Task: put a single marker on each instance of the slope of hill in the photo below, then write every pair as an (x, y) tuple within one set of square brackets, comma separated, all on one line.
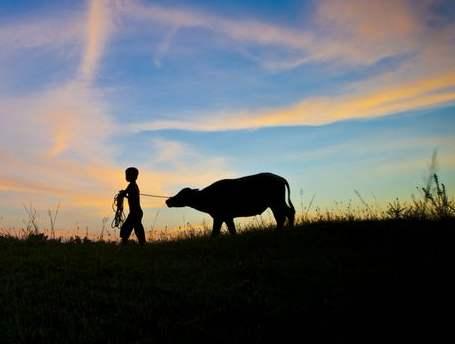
[(373, 279)]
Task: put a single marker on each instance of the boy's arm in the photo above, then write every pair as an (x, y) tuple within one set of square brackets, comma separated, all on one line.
[(124, 193)]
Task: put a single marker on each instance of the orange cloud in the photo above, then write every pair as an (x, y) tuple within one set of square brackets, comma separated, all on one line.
[(375, 20), (415, 95), (91, 183), (365, 31), (63, 125), (17, 185)]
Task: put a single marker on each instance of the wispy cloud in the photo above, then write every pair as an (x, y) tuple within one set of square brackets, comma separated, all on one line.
[(98, 29), (252, 31), (322, 110), (40, 33), (247, 31), (180, 156), (346, 32)]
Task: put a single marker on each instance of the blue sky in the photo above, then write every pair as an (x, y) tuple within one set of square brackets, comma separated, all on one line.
[(334, 95)]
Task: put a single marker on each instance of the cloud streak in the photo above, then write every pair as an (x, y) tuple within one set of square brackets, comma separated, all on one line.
[(40, 33), (98, 29), (322, 110), (247, 31), (345, 32)]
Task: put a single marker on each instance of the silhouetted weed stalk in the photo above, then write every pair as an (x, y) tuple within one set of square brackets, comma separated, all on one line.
[(52, 219), (435, 203), (440, 205), (31, 223)]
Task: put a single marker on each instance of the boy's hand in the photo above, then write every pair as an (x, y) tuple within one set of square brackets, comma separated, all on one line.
[(122, 193)]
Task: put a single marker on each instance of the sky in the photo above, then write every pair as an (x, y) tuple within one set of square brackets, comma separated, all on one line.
[(334, 95)]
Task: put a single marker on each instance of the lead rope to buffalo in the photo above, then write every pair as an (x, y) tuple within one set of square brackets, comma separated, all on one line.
[(155, 196), (117, 207)]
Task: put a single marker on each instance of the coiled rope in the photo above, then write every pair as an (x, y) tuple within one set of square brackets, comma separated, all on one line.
[(117, 207)]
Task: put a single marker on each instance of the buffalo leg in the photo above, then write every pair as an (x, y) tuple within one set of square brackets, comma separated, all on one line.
[(280, 217), (291, 217), (216, 227), (231, 226)]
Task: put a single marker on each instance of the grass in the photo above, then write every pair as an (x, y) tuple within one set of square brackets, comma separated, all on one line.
[(325, 279), (368, 274)]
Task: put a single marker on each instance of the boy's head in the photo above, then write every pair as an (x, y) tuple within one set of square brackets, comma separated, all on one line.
[(131, 174)]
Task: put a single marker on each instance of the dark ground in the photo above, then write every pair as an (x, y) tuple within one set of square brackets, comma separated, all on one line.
[(370, 281)]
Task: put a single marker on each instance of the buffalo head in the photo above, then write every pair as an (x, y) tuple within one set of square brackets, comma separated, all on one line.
[(182, 199)]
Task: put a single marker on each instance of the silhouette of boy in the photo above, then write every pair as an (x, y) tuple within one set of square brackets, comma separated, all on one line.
[(134, 219)]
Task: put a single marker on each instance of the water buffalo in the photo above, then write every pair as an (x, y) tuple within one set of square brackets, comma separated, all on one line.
[(247, 196)]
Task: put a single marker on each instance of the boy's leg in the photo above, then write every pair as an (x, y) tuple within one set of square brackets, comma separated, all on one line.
[(139, 230), (126, 229)]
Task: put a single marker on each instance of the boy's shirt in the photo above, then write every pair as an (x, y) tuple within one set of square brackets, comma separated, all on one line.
[(133, 192)]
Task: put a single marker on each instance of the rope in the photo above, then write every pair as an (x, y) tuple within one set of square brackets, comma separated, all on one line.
[(117, 207), (156, 196)]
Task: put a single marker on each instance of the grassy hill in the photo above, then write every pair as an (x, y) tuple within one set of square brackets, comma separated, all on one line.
[(369, 279)]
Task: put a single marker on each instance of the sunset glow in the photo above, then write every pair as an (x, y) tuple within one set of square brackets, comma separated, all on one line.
[(334, 95)]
